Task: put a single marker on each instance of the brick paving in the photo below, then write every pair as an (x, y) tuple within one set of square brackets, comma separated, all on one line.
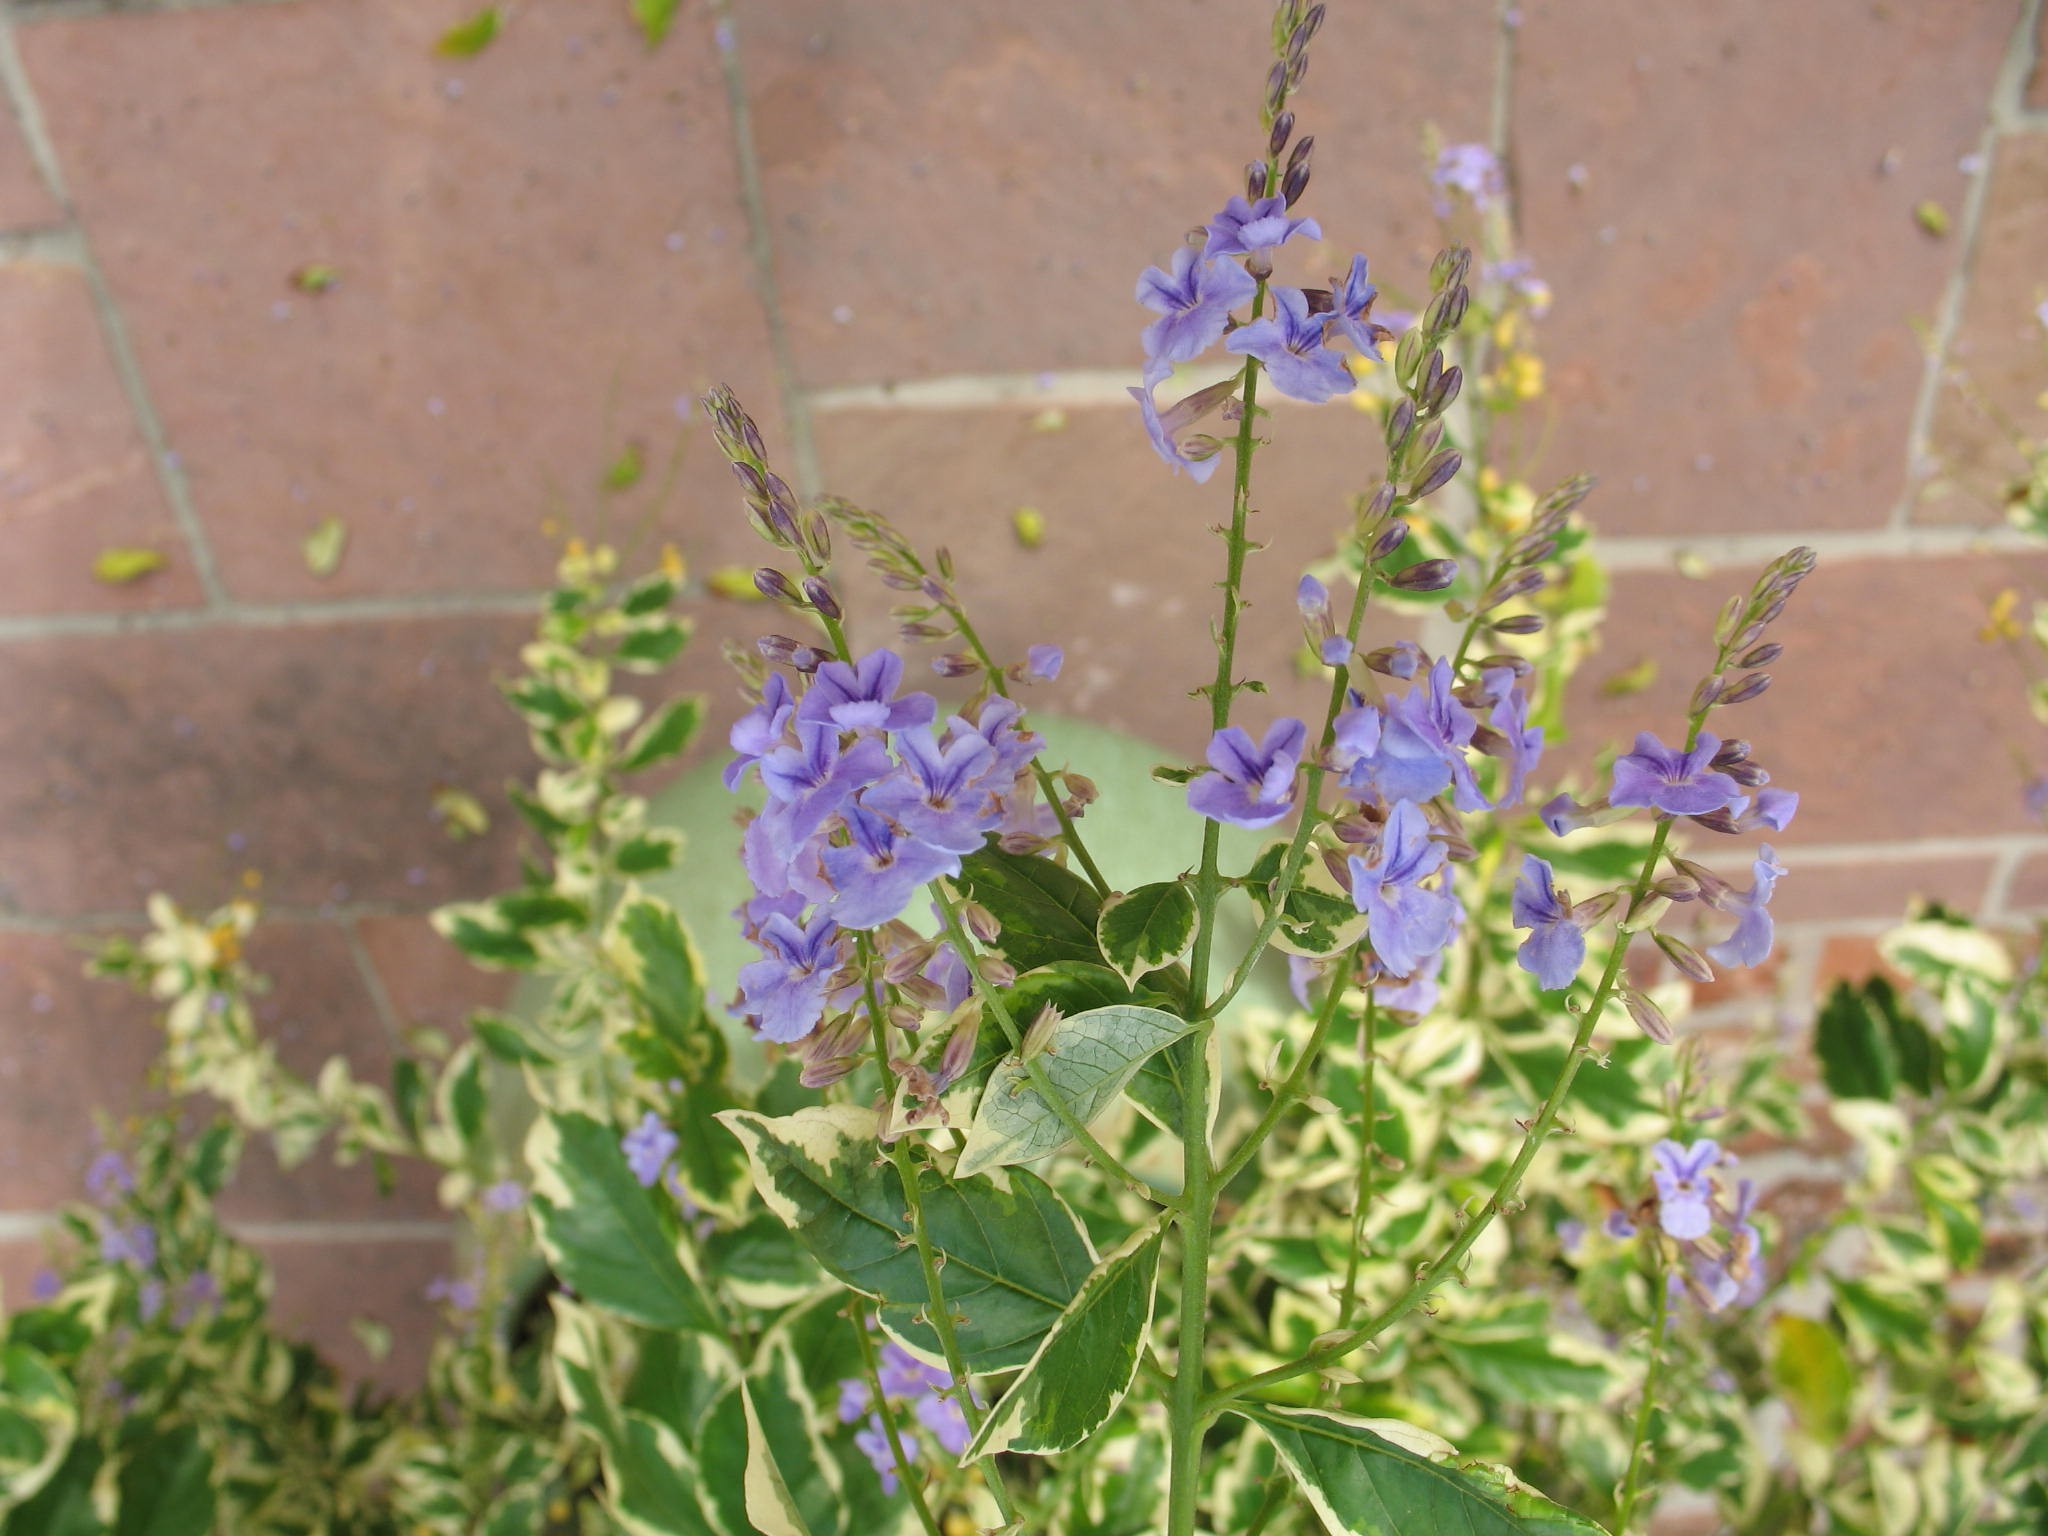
[(906, 236)]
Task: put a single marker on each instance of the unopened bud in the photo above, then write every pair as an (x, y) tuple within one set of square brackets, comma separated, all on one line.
[(1513, 587), (1382, 503), (1436, 474), (1763, 655), (808, 658), (818, 591), (995, 970), (1648, 1016), (1449, 267), (818, 538), (1426, 576), (1276, 87), (1039, 1035), (980, 922), (1707, 694), (909, 961), (1440, 395), (907, 1017), (1722, 821), (1295, 182), (1080, 788), (771, 583), (959, 1051), (1677, 888), (1255, 180), (779, 649), (1731, 752), (955, 664), (1407, 354), (1312, 23), (1688, 960), (1713, 889), (1283, 130), (1391, 537), (1747, 688), (1748, 775), (1302, 151), (1519, 624), (1400, 422)]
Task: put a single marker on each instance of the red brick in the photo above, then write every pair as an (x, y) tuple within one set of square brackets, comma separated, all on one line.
[(325, 1284), (20, 1261), (509, 310), (1851, 957), (2029, 892), (428, 980), (75, 475), (1995, 384), (25, 202), (2037, 82), (976, 185), (1880, 889), (1732, 345), (1851, 721), (1126, 577), (310, 753)]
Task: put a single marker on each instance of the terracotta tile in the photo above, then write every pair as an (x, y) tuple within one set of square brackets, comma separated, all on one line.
[(428, 980), (1996, 381), (1737, 281), (25, 202), (323, 1285), (75, 475), (976, 186), (541, 250), (1125, 579), (1889, 731), (310, 754)]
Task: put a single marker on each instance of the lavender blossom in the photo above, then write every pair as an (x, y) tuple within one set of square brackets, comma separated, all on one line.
[(1471, 170), (861, 696), (1193, 303), (1407, 923), (1250, 786), (1351, 310), (1676, 781), (1556, 946), (784, 993), (1684, 1196), (1422, 747), (1290, 342), (1166, 432), (942, 795), (1750, 944), (1522, 743), (648, 1147), (505, 1195), (131, 1243), (874, 876), (760, 730), (108, 1176), (1255, 230), (1043, 662)]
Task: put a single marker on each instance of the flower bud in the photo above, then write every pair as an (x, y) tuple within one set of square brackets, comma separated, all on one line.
[(1688, 960), (1391, 537), (1276, 87), (1714, 891), (1080, 789), (1400, 422), (1748, 775), (980, 922), (1302, 151), (1677, 888), (1449, 267), (779, 649), (1407, 354), (1297, 64), (1519, 624), (1732, 751), (771, 583), (1040, 1032), (959, 1051), (1648, 1016), (818, 592), (1426, 576), (1436, 474), (908, 962), (955, 664), (1747, 688), (818, 538), (1763, 655), (808, 659), (1295, 182), (1722, 821), (1512, 587), (994, 970), (1707, 694), (1382, 503), (904, 1016), (1283, 130), (1439, 397), (1255, 180), (1519, 665), (1312, 23)]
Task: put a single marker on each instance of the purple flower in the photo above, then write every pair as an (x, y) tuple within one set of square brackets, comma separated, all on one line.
[(862, 696), (947, 1424), (1735, 1278), (1198, 459), (1774, 808), (1290, 343), (1404, 659), (45, 1285), (1255, 229), (108, 1175), (1564, 815), (904, 1376), (785, 991), (1750, 944), (1351, 299), (1618, 1225), (760, 730), (1422, 747), (873, 1443), (1193, 303), (1556, 947), (1043, 662), (1418, 993), (134, 1243), (1684, 1195), (648, 1147), (461, 1295), (855, 1400), (1523, 743), (815, 776), (1251, 786), (1354, 739), (1571, 1236), (1675, 781), (506, 1195), (941, 796), (875, 875), (1470, 169), (1312, 599), (201, 1293), (1000, 723), (1408, 924)]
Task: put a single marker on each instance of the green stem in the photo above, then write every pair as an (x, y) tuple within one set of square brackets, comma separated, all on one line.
[(1368, 1154), (939, 1309), (1638, 1456), (1198, 1187), (992, 999), (1510, 1182), (1295, 1085), (1276, 1495), (911, 1482)]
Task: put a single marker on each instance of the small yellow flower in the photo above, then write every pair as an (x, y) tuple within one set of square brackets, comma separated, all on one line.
[(2000, 620), (1521, 375), (673, 566)]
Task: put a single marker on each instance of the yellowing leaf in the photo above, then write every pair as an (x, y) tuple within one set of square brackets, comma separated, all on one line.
[(461, 814), (467, 39), (324, 546), (118, 567)]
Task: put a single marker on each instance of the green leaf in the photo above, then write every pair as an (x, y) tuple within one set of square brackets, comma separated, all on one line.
[(665, 734), (624, 472), (1048, 913), (651, 644), (38, 1418), (476, 930), (602, 1232), (1380, 1477), (64, 1505), (118, 567), (167, 1487), (1853, 1039), (1147, 928), (1813, 1372), (1086, 1063), (659, 964), (1085, 1365), (650, 594), (325, 545), (655, 18), (1015, 1255), (647, 853), (506, 1040), (1516, 1354), (793, 1485), (1316, 922), (467, 39)]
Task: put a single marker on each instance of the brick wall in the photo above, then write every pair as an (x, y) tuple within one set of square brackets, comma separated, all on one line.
[(905, 232)]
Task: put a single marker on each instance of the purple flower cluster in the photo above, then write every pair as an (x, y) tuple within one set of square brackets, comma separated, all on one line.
[(867, 801), (1195, 297), (648, 1147), (906, 1382), (1716, 1238)]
